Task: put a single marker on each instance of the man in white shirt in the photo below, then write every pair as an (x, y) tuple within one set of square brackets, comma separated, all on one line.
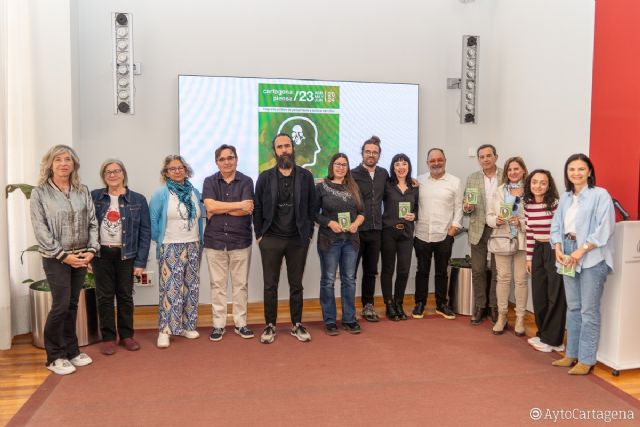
[(440, 219)]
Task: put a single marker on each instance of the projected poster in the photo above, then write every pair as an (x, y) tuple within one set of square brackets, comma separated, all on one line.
[(315, 134), (322, 117)]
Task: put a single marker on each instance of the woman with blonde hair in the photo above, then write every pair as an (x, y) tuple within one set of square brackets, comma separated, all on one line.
[(177, 227), (65, 226), (505, 214)]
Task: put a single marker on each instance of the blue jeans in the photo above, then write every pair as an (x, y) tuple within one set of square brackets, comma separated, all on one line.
[(583, 294), (343, 254)]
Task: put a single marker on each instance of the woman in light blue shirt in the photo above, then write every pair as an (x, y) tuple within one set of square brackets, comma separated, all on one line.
[(582, 235), (177, 225)]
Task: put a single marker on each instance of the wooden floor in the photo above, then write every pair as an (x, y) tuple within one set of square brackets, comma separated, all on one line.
[(22, 368)]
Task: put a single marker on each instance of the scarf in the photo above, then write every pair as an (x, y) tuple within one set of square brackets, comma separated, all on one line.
[(184, 192)]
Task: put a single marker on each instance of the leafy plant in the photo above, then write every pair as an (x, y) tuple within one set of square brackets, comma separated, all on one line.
[(25, 188)]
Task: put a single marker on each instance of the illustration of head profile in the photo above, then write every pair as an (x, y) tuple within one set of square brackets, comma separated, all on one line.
[(304, 134), (297, 134)]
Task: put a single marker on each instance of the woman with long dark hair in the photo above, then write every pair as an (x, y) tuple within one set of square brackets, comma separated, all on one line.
[(582, 235), (547, 290), (505, 215), (125, 235), (400, 211), (64, 223), (340, 213), (177, 227)]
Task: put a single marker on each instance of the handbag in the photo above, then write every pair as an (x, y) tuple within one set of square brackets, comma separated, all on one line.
[(502, 244)]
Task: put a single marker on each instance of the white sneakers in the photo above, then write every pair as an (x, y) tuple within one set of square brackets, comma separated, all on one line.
[(66, 367), (192, 335), (545, 348), (81, 360), (61, 367), (163, 340)]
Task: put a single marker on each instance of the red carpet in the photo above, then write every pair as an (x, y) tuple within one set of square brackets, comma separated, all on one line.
[(419, 372)]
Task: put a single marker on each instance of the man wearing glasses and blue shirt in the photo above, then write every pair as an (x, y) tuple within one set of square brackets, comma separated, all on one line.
[(228, 199)]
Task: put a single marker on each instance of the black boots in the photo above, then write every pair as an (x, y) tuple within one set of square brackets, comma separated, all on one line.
[(392, 314), (400, 312)]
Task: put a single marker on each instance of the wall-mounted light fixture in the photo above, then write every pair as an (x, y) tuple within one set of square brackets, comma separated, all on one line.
[(468, 83), (123, 67)]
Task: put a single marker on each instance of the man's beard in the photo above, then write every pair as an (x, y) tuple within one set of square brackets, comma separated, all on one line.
[(286, 161)]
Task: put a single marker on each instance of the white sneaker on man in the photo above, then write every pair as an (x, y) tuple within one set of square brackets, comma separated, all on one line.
[(192, 335), (81, 360), (163, 340), (534, 340), (61, 367)]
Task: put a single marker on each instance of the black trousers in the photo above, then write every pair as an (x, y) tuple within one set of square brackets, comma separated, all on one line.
[(397, 249), (547, 291), (441, 253), (114, 278), (273, 250), (60, 339), (369, 253), (484, 282)]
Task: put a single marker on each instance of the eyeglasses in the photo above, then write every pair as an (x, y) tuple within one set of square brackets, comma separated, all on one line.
[(371, 153), (176, 169), (340, 165), (226, 159), (516, 203), (114, 172)]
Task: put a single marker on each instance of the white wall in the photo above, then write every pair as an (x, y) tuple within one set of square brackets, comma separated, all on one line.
[(534, 88)]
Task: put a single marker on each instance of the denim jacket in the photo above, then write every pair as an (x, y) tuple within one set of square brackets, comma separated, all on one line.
[(595, 223), (136, 225)]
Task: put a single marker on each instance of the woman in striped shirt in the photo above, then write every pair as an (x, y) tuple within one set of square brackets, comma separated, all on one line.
[(547, 291)]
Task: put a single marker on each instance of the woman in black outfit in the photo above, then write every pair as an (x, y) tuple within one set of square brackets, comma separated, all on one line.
[(400, 211)]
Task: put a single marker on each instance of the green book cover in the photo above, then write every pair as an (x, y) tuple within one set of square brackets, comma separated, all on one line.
[(404, 208), (506, 210), (471, 196), (344, 219), (567, 270)]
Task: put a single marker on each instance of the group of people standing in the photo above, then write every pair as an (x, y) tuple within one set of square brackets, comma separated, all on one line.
[(363, 214)]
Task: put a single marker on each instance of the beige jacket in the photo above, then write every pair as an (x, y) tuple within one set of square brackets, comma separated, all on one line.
[(492, 216)]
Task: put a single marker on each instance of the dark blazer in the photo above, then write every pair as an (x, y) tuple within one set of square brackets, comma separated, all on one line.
[(136, 224), (266, 200)]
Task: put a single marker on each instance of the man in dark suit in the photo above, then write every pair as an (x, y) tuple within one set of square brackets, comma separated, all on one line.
[(283, 223)]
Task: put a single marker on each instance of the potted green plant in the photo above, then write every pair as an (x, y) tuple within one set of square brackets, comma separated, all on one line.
[(87, 326)]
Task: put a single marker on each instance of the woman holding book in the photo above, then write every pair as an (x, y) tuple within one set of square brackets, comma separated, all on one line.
[(400, 211), (547, 290), (505, 214), (340, 213), (582, 235)]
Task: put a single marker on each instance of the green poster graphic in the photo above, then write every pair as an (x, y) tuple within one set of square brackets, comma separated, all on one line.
[(307, 112), (298, 96), (315, 138)]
